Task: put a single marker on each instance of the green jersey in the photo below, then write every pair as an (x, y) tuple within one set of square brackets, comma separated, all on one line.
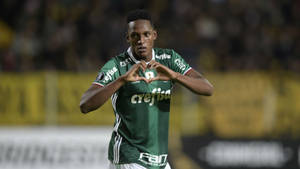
[(140, 132)]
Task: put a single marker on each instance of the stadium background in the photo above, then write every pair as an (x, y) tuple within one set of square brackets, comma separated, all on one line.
[(50, 52)]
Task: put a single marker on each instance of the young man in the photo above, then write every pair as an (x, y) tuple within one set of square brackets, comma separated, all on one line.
[(139, 82)]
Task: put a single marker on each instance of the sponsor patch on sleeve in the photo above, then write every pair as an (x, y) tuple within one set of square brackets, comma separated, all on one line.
[(100, 76)]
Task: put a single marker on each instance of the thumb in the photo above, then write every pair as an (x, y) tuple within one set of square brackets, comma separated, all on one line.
[(153, 79), (143, 78)]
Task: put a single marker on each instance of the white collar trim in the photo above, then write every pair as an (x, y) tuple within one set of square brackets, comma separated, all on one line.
[(129, 51)]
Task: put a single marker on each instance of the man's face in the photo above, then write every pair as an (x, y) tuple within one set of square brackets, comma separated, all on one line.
[(141, 36)]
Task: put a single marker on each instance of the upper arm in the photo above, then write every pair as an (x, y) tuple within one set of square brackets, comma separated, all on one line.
[(193, 73), (93, 87), (178, 64), (108, 73)]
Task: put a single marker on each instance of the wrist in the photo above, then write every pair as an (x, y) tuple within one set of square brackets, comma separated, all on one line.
[(176, 76), (122, 80)]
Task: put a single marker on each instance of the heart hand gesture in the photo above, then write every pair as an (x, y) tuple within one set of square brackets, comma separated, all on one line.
[(163, 72), (133, 74)]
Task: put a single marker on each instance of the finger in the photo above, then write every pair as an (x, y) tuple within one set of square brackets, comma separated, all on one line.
[(143, 64), (153, 66), (143, 78), (153, 79), (161, 68), (151, 63), (134, 68), (164, 78), (138, 67)]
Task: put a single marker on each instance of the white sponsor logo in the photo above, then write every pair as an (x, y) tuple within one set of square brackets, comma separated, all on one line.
[(125, 62), (100, 76), (180, 64), (109, 74), (156, 160), (163, 56), (157, 94)]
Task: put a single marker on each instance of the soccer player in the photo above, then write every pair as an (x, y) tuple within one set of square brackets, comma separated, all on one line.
[(139, 82)]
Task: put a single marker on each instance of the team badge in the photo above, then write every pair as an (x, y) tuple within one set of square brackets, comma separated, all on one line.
[(149, 75), (100, 76)]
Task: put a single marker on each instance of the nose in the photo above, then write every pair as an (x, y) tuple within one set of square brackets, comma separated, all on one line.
[(141, 40)]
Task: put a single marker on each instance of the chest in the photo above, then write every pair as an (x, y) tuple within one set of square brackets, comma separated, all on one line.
[(141, 87)]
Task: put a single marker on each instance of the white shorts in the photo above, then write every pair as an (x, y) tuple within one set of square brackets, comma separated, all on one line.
[(131, 166)]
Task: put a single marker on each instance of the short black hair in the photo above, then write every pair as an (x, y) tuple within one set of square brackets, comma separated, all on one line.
[(139, 14)]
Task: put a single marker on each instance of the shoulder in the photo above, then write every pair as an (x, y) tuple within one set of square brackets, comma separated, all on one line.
[(119, 59), (160, 51)]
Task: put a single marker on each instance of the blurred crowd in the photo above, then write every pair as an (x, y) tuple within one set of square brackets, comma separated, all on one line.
[(214, 35)]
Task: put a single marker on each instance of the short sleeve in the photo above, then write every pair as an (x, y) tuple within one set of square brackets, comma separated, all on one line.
[(108, 73), (178, 64)]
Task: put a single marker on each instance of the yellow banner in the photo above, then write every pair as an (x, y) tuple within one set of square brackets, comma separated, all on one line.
[(244, 104)]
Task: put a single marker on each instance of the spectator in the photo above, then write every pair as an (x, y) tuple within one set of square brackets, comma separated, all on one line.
[(78, 35)]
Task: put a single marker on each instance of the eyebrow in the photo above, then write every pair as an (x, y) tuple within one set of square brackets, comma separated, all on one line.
[(141, 32)]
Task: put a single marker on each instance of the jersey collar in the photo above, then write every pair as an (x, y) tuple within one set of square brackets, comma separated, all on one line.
[(129, 51)]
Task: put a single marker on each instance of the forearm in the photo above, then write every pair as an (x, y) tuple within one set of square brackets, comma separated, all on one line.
[(95, 98), (198, 85)]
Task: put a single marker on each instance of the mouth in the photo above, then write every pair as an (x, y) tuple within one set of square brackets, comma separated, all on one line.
[(141, 49)]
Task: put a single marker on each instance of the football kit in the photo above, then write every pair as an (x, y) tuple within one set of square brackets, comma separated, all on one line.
[(140, 133)]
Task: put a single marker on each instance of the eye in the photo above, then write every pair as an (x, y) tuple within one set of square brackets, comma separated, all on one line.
[(134, 35), (147, 34)]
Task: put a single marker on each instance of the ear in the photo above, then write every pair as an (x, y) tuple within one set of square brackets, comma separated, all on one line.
[(154, 34), (127, 37)]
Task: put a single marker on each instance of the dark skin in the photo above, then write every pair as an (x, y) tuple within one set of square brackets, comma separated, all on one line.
[(141, 37)]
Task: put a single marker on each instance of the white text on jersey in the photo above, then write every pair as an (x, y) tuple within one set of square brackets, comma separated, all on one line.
[(109, 74), (125, 62), (156, 160), (157, 94), (163, 56), (180, 64)]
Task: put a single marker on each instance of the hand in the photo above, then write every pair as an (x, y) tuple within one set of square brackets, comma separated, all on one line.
[(133, 74), (163, 72)]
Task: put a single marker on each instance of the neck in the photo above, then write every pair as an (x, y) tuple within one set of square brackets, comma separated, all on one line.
[(147, 58)]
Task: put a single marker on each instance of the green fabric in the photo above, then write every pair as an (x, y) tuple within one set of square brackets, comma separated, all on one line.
[(142, 111)]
